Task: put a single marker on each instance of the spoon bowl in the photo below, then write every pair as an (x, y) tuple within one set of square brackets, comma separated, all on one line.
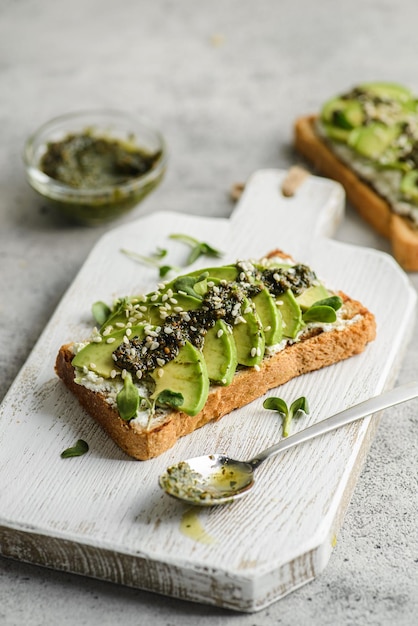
[(217, 479), (208, 480)]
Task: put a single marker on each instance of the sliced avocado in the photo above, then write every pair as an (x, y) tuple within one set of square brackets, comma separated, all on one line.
[(223, 272), (97, 357), (409, 186), (249, 337), (220, 353), (186, 374), (311, 295), (338, 134), (371, 141), (343, 113), (388, 90), (291, 314), (269, 314)]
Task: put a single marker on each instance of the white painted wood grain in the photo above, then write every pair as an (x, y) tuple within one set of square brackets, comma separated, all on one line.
[(103, 514)]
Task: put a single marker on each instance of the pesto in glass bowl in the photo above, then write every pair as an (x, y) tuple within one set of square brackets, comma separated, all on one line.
[(94, 166)]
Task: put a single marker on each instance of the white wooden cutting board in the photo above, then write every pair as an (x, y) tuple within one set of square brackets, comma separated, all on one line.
[(103, 514)]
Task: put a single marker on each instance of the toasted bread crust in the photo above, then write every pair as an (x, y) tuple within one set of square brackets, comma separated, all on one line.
[(401, 232), (312, 353)]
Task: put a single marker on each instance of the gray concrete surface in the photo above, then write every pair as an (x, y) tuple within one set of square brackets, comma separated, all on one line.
[(224, 80)]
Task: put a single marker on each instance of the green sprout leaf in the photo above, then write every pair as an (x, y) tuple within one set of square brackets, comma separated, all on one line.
[(288, 413), (187, 284), (160, 253), (152, 260), (198, 248), (315, 313), (127, 399), (276, 404), (80, 448), (170, 398), (101, 312), (335, 302)]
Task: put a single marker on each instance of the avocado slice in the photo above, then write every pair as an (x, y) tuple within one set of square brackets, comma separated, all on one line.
[(186, 374), (223, 272), (97, 356), (371, 141), (311, 295), (220, 353), (269, 314), (291, 314), (249, 337), (343, 113), (388, 90), (409, 186)]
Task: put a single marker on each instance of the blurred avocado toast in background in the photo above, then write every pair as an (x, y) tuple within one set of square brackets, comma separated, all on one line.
[(367, 139)]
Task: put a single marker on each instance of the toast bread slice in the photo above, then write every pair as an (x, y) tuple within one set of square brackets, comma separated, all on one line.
[(372, 207), (316, 350)]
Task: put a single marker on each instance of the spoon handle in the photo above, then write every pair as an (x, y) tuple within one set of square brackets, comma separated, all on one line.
[(356, 412)]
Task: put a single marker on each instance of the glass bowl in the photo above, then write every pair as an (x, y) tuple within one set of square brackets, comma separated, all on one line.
[(106, 197)]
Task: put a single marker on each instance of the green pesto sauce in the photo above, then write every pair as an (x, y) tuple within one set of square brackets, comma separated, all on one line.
[(85, 161)]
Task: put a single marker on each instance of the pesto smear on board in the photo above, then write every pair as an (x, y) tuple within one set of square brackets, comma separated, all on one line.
[(86, 161)]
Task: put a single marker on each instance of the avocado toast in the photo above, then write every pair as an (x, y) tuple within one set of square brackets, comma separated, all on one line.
[(162, 365), (367, 139)]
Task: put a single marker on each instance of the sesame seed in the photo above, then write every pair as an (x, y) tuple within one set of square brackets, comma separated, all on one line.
[(258, 351), (253, 352), (139, 374), (160, 373), (160, 362), (97, 339), (128, 332), (257, 368), (267, 328), (92, 366), (110, 340), (154, 297), (168, 330), (124, 373), (113, 373), (120, 324), (219, 333)]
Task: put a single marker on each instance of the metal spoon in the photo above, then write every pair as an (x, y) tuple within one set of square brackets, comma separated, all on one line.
[(217, 479)]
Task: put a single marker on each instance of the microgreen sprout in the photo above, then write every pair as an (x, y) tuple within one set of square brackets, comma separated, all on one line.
[(152, 260), (288, 413), (198, 248), (127, 399), (100, 312), (192, 285), (80, 448), (323, 310)]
